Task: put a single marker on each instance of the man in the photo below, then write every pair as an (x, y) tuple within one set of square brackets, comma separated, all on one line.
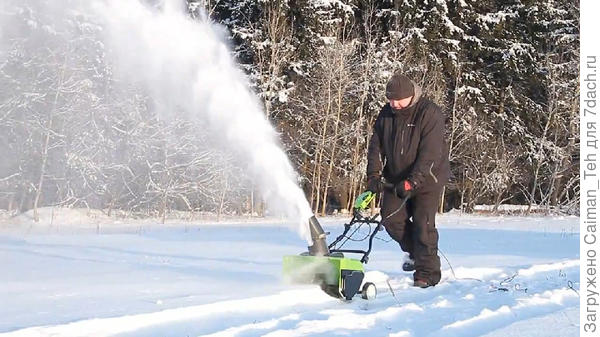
[(407, 148)]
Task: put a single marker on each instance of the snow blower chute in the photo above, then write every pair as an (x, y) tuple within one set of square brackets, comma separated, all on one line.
[(326, 265)]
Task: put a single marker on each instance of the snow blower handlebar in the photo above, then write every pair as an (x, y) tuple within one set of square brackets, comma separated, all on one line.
[(358, 218), (318, 235)]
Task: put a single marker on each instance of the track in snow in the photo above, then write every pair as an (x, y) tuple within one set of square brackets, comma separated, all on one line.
[(453, 308)]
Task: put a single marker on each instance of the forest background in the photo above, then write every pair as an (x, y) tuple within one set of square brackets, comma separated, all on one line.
[(506, 74)]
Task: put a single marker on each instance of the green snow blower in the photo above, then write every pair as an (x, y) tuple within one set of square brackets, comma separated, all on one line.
[(326, 265)]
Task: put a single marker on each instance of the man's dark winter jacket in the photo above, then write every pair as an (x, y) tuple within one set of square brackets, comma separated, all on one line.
[(409, 144)]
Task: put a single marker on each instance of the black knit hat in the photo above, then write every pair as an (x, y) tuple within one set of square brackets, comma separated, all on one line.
[(399, 87)]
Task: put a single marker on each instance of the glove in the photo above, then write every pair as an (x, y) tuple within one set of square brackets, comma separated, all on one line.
[(404, 189), (374, 184), (363, 200)]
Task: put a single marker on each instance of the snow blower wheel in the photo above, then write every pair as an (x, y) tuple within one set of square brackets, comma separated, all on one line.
[(368, 291)]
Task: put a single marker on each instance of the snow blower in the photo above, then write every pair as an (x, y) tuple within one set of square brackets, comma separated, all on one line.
[(326, 265)]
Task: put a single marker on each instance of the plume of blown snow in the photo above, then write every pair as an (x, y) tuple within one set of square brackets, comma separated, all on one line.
[(187, 68)]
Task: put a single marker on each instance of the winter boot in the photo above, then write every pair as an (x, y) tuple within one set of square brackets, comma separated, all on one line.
[(422, 283), (408, 265)]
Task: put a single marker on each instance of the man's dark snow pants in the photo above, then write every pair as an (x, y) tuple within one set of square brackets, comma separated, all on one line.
[(418, 236)]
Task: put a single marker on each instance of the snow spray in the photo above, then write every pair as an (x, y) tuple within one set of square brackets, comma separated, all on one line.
[(186, 67)]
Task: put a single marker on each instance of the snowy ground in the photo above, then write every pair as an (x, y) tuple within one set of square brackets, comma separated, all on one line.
[(138, 279)]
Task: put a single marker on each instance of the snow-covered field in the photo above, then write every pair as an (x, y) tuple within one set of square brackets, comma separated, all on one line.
[(512, 276)]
